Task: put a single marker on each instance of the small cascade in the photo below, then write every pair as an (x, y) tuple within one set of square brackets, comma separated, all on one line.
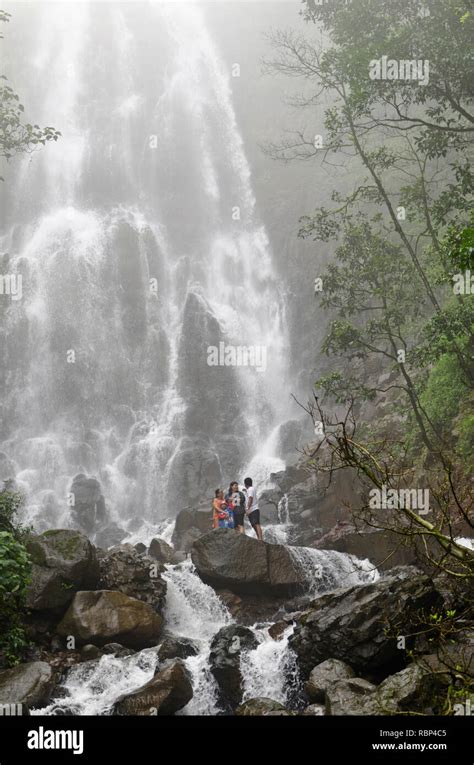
[(193, 610), (278, 533), (270, 670), (93, 687), (325, 570)]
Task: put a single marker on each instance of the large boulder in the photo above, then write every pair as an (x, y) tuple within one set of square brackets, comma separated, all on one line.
[(64, 561), (29, 684), (167, 692), (104, 616), (138, 576), (225, 559), (224, 659), (359, 625), (326, 675)]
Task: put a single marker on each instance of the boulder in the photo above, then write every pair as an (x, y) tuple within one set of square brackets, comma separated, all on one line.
[(28, 684), (103, 616), (90, 652), (224, 660), (324, 676), (176, 648), (276, 630), (124, 569), (358, 625), (225, 559), (354, 696), (167, 692), (64, 561), (161, 551), (410, 690), (261, 707)]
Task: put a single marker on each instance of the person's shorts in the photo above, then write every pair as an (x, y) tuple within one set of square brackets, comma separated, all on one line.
[(239, 518), (254, 517), (222, 523)]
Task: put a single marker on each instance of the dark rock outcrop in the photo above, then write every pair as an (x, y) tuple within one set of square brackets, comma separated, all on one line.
[(103, 616), (349, 624), (167, 692)]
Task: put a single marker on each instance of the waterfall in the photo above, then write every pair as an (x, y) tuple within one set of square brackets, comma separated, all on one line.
[(140, 246)]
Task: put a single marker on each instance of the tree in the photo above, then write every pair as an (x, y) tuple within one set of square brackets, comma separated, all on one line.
[(16, 135), (401, 229)]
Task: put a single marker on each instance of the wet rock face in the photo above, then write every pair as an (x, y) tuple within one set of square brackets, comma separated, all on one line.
[(64, 561), (104, 616), (138, 576), (88, 511), (349, 624), (166, 693), (226, 648)]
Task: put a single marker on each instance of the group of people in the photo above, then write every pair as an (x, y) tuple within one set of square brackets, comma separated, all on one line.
[(229, 510)]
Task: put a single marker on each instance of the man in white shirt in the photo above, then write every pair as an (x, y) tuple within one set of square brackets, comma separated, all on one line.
[(252, 509)]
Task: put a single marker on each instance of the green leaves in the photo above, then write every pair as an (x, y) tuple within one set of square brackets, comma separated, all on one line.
[(16, 136)]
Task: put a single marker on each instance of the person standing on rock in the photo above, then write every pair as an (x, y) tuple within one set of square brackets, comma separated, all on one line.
[(253, 510), (236, 499), (219, 514)]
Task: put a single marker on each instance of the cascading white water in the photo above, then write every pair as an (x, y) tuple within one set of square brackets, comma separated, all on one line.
[(193, 610), (139, 245), (325, 570), (270, 670), (93, 687)]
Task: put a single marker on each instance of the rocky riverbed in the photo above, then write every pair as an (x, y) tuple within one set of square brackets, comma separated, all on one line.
[(229, 626)]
